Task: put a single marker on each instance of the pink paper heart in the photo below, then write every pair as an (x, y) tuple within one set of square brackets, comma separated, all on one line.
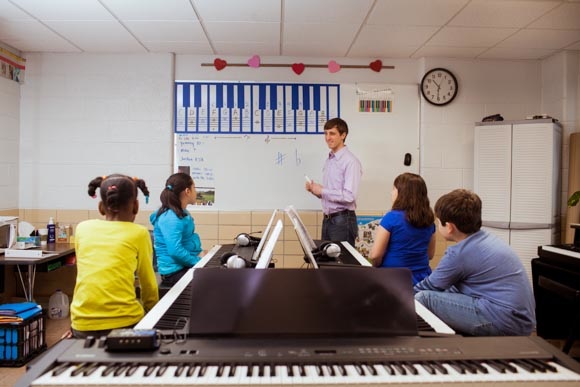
[(298, 68), (333, 67), (254, 61)]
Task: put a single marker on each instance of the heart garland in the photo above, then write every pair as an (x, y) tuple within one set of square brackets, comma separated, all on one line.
[(298, 68), (220, 64)]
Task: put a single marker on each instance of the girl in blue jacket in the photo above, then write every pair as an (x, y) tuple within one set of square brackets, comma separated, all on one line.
[(177, 245)]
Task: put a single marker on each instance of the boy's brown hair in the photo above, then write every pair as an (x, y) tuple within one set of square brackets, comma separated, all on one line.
[(462, 208)]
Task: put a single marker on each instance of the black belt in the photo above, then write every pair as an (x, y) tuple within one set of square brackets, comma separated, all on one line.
[(339, 213)]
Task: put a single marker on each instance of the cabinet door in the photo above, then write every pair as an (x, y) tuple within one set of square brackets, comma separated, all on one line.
[(492, 172), (535, 175)]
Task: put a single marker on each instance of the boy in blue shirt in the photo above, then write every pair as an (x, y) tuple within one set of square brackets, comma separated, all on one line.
[(480, 287)]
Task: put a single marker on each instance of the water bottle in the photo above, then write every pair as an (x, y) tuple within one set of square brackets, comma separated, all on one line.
[(58, 305), (51, 230)]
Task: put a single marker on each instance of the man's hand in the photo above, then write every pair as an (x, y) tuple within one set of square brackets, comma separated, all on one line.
[(314, 188)]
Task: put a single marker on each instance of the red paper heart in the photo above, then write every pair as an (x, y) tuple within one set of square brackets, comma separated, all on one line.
[(298, 68), (220, 64), (377, 65)]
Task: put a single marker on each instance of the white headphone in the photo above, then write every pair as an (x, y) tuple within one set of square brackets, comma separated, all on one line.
[(246, 240)]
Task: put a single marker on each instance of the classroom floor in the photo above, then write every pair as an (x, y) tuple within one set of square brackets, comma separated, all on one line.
[(54, 331)]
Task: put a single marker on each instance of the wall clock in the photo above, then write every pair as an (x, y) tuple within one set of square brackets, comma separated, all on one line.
[(439, 86)]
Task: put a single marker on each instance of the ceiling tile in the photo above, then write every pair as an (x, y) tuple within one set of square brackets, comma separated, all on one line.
[(10, 12), (414, 12), (384, 36), (314, 50), (329, 33), (504, 13), (151, 9), (44, 44), (515, 53), (246, 48), (448, 52), (566, 16), (470, 37), (243, 32), (98, 36), (65, 9), (370, 51), (181, 47), (167, 30), (24, 30), (541, 39), (575, 46), (236, 10), (326, 11)]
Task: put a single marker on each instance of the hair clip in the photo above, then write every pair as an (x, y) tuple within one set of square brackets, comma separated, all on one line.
[(169, 187), (111, 187), (135, 178), (147, 199), (94, 196)]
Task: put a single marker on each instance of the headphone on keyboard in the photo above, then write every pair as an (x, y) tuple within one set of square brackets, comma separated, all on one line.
[(233, 261), (327, 251), (245, 239)]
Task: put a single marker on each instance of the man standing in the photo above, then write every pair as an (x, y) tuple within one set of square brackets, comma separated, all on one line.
[(341, 177)]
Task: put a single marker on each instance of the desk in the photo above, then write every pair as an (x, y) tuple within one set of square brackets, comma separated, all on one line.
[(55, 253)]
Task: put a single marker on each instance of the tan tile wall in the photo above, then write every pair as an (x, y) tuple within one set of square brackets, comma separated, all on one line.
[(217, 227)]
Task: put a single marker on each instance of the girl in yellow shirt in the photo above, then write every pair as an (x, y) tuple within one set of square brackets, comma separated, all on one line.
[(110, 253)]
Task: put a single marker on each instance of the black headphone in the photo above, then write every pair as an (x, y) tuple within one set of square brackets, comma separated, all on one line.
[(327, 251), (244, 240), (233, 261)]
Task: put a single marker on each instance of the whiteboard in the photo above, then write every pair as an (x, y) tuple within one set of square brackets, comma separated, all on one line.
[(250, 171)]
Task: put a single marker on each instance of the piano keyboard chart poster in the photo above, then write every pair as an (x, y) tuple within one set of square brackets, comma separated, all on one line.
[(254, 108)]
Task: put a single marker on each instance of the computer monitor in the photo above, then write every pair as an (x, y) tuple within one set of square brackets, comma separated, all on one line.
[(266, 255), (304, 237), (264, 236)]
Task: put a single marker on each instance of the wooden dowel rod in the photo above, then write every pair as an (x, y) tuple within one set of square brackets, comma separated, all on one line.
[(320, 66)]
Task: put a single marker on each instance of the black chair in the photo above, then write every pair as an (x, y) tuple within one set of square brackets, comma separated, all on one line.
[(572, 297)]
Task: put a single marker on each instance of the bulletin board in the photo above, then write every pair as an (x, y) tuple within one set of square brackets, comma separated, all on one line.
[(248, 145)]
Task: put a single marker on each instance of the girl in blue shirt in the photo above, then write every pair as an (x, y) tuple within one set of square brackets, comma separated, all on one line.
[(406, 235), (177, 245)]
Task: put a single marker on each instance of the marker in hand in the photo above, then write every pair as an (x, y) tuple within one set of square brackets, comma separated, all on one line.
[(308, 180)]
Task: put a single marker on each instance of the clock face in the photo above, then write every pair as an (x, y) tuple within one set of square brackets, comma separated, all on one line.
[(439, 86)]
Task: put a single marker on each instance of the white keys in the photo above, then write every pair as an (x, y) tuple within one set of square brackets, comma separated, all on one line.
[(380, 375)]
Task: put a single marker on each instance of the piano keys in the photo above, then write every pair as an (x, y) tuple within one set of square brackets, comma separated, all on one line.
[(397, 361)]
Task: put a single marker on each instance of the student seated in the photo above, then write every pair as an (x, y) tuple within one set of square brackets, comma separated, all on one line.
[(480, 287), (109, 253), (177, 245), (406, 235)]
